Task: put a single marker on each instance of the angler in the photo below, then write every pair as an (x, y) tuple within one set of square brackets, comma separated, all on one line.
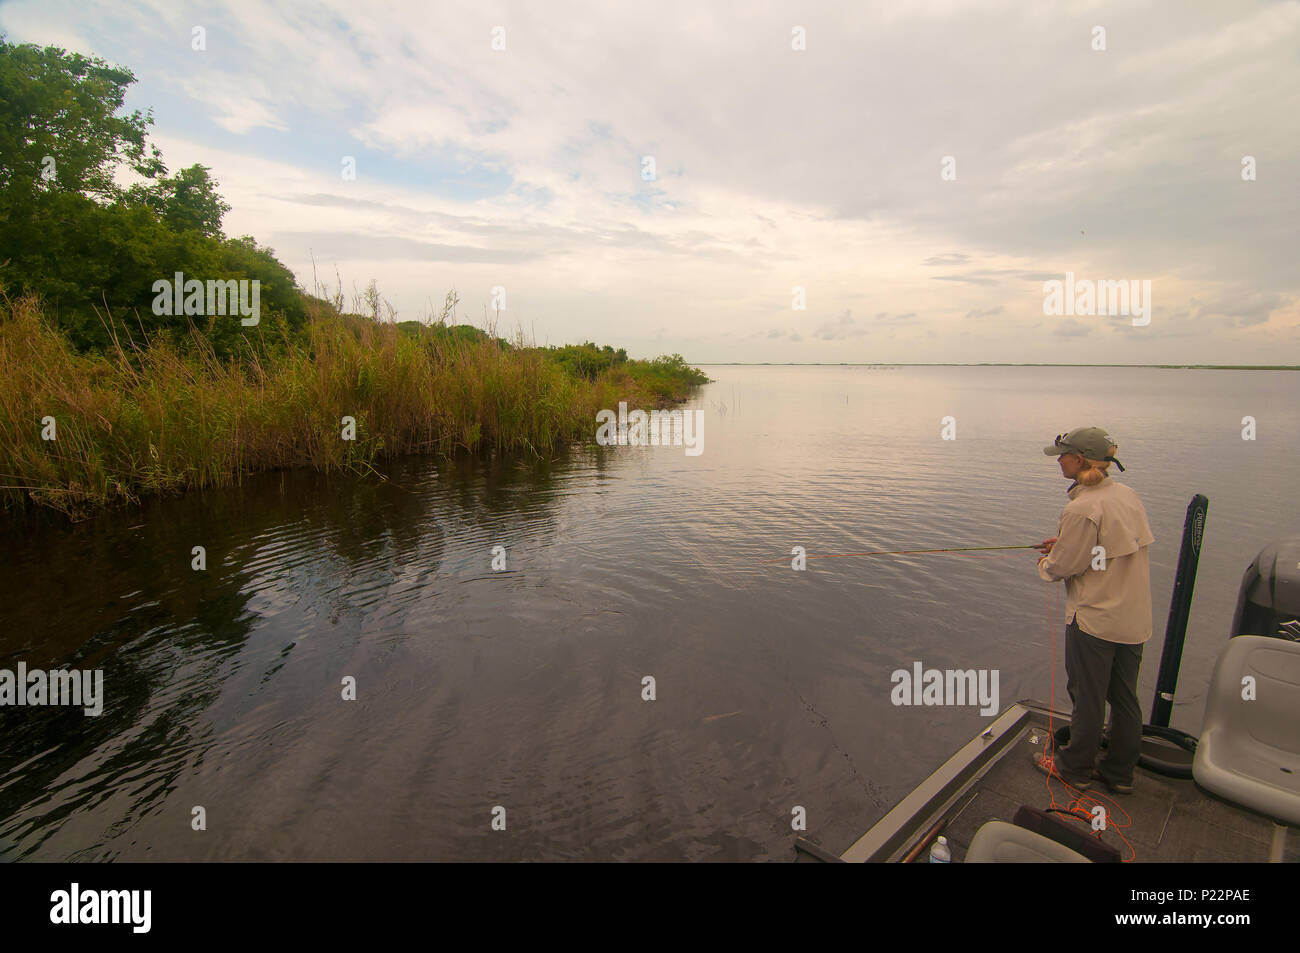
[(1108, 610)]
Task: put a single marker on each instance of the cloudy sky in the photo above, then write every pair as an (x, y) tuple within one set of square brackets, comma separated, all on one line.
[(775, 167)]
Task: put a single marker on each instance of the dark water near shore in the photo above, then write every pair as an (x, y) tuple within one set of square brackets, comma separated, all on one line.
[(524, 688)]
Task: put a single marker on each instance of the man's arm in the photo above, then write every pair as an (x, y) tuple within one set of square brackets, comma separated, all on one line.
[(1072, 553)]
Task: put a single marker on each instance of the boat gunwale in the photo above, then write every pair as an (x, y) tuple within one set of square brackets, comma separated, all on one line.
[(890, 838), (930, 805)]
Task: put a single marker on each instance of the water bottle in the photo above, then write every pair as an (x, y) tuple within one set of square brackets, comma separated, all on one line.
[(939, 852)]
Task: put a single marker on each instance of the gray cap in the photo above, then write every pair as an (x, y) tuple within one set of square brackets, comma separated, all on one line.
[(1094, 443)]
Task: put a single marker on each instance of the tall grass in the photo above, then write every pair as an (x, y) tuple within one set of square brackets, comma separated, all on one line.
[(165, 416)]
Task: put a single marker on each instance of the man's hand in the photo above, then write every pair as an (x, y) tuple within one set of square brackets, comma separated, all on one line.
[(1046, 545)]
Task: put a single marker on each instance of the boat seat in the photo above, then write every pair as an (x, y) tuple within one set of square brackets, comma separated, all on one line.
[(1249, 750), (998, 842)]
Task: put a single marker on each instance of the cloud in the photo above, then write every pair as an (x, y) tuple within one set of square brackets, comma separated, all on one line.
[(356, 246), (523, 167), (839, 329), (1071, 328), (946, 260), (973, 278), (241, 106), (1241, 310)]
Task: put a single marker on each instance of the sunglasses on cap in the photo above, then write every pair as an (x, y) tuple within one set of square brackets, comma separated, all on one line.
[(1060, 442)]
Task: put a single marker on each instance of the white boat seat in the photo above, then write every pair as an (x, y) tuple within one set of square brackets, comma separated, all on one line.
[(998, 842), (1249, 750)]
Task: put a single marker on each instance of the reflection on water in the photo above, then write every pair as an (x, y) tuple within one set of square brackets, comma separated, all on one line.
[(523, 688)]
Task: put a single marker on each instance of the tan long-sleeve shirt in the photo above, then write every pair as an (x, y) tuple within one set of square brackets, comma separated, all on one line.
[(1113, 603)]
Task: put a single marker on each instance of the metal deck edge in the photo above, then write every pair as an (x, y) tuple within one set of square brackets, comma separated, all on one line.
[(889, 838)]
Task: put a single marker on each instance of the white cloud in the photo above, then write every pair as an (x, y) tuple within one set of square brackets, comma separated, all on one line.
[(775, 168)]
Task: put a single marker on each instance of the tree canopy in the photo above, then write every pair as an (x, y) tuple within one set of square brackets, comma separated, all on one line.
[(92, 247), (59, 128)]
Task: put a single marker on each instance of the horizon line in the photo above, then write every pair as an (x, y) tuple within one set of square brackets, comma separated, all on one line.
[(1228, 367)]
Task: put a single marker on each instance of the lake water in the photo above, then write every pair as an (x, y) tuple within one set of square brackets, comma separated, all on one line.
[(523, 689)]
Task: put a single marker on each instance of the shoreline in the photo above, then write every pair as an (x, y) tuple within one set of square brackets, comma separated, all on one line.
[(84, 432)]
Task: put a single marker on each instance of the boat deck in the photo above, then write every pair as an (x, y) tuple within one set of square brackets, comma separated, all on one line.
[(1164, 820)]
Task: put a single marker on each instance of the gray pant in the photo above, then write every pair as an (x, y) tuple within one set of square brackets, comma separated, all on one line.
[(1097, 672)]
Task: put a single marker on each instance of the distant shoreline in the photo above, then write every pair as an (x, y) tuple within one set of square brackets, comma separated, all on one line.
[(1194, 367)]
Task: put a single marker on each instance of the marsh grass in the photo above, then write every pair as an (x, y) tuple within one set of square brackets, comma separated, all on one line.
[(160, 415)]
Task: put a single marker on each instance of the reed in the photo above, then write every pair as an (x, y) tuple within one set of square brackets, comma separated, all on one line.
[(162, 415)]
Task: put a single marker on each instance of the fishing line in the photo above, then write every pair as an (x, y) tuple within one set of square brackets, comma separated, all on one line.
[(970, 552), (902, 552)]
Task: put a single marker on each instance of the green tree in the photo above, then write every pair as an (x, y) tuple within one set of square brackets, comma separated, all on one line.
[(63, 107), (186, 201), (93, 250)]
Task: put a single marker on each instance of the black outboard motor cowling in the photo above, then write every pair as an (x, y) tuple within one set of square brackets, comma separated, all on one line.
[(1268, 602)]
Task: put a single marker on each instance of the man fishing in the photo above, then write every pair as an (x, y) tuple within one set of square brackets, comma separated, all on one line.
[(1100, 551)]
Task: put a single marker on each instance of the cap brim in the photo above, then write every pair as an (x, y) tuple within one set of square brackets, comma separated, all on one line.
[(1056, 451)]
